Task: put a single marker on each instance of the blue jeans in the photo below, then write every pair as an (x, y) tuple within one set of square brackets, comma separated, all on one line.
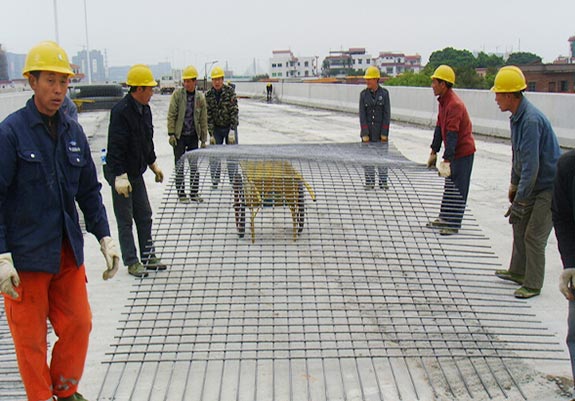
[(221, 135), (455, 191), (134, 208)]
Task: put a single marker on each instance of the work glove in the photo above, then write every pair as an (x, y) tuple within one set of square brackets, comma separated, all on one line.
[(203, 144), (432, 161), (8, 275), (232, 138), (212, 140), (122, 185), (517, 212), (365, 139), (512, 192), (444, 169), (173, 140), (384, 138), (112, 256), (157, 171), (566, 283)]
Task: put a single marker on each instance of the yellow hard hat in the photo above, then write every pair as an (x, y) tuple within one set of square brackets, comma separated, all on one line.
[(509, 79), (445, 73), (217, 72), (372, 72), (190, 72), (140, 75), (47, 56)]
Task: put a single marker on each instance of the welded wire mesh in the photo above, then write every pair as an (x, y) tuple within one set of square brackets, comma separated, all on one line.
[(350, 297)]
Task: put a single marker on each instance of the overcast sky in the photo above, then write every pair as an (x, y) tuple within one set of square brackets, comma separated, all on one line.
[(241, 31)]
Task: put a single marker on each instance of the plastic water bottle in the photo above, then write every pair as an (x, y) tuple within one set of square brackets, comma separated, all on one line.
[(103, 156)]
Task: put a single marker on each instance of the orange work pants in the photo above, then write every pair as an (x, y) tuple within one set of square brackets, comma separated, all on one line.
[(62, 298)]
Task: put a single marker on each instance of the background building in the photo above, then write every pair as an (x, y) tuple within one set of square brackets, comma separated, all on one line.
[(393, 64), (98, 68), (284, 64)]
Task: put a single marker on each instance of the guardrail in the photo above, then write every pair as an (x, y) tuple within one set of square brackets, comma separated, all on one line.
[(419, 106)]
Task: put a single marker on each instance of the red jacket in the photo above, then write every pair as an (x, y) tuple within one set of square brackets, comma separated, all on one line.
[(453, 117)]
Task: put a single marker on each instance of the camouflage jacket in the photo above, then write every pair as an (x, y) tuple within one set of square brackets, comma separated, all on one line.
[(223, 113)]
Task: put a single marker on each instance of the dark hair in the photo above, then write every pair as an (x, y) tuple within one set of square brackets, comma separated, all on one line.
[(36, 74), (133, 89), (448, 84)]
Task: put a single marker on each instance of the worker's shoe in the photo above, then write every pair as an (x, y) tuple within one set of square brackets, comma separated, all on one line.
[(384, 185), (183, 198), (437, 223), (507, 275), (155, 263), (448, 231), (73, 397), (524, 292), (369, 186), (196, 198), (137, 270)]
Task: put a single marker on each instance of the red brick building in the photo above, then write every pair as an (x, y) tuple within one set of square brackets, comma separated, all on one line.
[(559, 78)]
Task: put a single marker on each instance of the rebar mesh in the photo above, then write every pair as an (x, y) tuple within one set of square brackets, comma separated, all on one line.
[(361, 302)]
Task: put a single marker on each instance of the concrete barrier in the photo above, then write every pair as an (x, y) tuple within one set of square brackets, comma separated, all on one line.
[(419, 106), (12, 101)]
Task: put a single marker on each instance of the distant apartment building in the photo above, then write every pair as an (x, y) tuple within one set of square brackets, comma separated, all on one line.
[(393, 64), (558, 78), (284, 65), (344, 62), (119, 73), (97, 66), (15, 65)]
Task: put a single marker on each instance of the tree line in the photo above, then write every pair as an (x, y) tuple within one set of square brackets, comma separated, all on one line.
[(465, 65)]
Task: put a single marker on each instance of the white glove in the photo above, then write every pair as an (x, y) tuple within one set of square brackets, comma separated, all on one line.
[(444, 169), (157, 171), (110, 252), (122, 185), (231, 138), (8, 275), (432, 161), (566, 283)]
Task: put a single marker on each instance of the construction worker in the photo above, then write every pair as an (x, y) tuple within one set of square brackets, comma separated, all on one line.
[(535, 153), (130, 153), (453, 129), (187, 126), (46, 168), (269, 91), (563, 215), (374, 118), (222, 120)]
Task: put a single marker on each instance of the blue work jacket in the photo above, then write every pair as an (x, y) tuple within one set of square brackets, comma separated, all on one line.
[(535, 151), (41, 180)]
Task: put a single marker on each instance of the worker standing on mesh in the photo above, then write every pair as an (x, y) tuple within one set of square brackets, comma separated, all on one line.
[(374, 119), (187, 126), (453, 129), (46, 168), (222, 121), (269, 92), (130, 153), (535, 152)]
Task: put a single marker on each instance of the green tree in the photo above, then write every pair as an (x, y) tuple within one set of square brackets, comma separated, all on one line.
[(450, 56), (523, 58), (325, 68), (409, 79), (485, 60)]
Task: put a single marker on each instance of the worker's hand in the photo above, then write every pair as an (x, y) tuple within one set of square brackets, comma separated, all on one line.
[(122, 185), (566, 283), (8, 275), (432, 161), (383, 138), (203, 144), (212, 140), (444, 169), (365, 139), (110, 251), (232, 138), (173, 140), (157, 171), (512, 192), (518, 211)]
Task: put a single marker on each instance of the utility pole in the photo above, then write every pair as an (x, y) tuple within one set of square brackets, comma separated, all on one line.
[(87, 44), (56, 21)]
